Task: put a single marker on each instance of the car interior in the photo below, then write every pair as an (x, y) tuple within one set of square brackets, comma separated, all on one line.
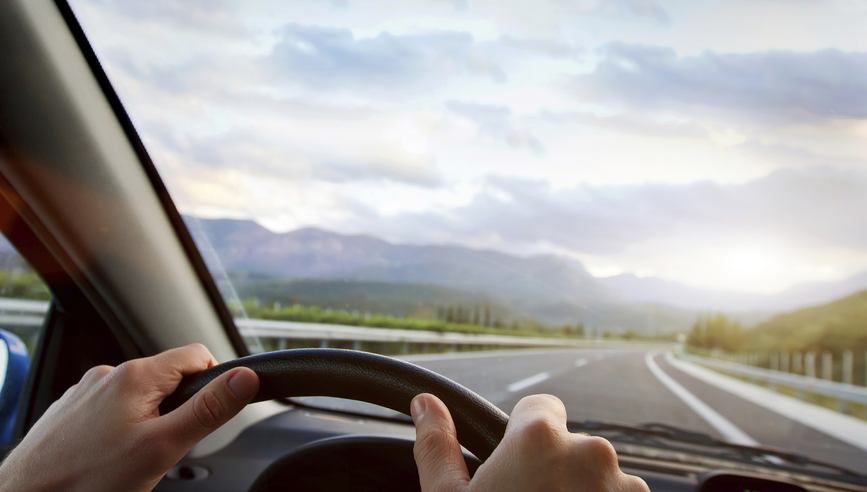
[(82, 201)]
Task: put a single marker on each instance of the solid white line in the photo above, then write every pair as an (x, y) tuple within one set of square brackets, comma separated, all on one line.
[(526, 383), (581, 362), (722, 425), (843, 427)]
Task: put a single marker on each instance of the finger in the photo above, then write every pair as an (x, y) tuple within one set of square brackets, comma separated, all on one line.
[(441, 465), (538, 409), (172, 365), (210, 408)]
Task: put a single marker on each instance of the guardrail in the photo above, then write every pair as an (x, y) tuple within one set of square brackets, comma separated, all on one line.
[(23, 313), (841, 391)]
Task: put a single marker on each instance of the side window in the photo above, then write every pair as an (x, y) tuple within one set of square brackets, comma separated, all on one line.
[(24, 301)]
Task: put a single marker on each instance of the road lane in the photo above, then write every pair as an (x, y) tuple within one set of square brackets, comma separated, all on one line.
[(768, 427), (616, 385)]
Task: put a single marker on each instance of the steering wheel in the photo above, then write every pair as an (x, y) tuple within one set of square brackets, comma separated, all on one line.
[(361, 376)]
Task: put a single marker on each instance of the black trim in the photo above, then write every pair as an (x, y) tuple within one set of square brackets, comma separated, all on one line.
[(186, 240)]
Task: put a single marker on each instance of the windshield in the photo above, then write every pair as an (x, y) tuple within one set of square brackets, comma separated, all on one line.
[(653, 210)]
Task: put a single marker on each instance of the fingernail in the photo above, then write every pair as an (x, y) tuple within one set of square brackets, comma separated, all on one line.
[(417, 409), (243, 385)]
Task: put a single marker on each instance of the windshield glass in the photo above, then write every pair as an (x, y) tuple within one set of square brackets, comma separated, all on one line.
[(651, 209)]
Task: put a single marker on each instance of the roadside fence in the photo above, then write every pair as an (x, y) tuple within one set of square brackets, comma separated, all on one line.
[(844, 392), (281, 334)]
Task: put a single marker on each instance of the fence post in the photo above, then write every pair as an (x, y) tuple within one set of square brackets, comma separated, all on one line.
[(796, 362), (827, 365), (323, 343), (775, 361), (810, 362), (281, 344), (784, 362), (847, 366)]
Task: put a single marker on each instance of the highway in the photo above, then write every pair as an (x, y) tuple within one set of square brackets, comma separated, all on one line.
[(618, 385)]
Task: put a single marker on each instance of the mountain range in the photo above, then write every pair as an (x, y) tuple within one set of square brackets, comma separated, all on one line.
[(550, 288)]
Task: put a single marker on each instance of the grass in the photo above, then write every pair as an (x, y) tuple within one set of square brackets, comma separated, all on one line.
[(315, 314)]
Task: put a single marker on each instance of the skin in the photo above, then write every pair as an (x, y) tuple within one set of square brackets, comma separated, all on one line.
[(537, 453), (106, 434)]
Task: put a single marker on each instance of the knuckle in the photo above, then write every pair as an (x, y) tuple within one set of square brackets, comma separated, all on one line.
[(129, 371), (543, 431), (96, 373), (209, 410), (635, 484), (599, 452)]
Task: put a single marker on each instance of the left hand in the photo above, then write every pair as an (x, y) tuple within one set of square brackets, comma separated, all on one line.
[(106, 434)]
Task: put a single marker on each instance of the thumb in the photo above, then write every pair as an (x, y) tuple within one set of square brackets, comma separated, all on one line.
[(212, 406), (441, 465)]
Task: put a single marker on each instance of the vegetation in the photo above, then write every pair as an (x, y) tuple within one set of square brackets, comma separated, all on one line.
[(715, 331), (22, 284), (316, 314), (834, 327)]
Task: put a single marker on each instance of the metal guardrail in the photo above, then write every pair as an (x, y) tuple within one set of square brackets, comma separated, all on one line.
[(299, 330), (23, 306), (841, 391), (24, 313)]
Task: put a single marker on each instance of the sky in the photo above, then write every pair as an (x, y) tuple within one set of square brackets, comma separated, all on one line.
[(717, 143)]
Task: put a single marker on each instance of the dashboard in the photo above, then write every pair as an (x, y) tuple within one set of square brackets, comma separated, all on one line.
[(304, 449)]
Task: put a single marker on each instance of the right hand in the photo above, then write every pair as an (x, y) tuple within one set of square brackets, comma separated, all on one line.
[(537, 453)]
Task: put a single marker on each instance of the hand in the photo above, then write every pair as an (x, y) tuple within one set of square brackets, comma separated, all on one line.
[(537, 453), (106, 434)]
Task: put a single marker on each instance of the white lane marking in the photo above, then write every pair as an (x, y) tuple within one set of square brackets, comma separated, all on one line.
[(526, 383), (843, 427), (581, 362), (722, 425)]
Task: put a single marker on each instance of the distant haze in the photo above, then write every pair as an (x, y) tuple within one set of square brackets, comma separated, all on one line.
[(554, 289)]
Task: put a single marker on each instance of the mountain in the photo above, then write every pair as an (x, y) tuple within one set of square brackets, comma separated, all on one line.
[(548, 288), (314, 253)]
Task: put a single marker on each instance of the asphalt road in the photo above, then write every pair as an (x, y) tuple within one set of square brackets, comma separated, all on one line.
[(616, 385)]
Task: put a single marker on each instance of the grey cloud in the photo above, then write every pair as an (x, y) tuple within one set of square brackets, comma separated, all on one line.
[(324, 57), (642, 8), (819, 205), (495, 121), (775, 86)]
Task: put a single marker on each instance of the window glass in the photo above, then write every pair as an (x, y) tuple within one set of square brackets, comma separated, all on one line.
[(24, 302), (651, 209)]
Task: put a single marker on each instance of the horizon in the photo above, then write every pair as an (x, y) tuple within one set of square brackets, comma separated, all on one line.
[(554, 255)]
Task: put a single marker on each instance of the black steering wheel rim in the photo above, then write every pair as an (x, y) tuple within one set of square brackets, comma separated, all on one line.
[(361, 376)]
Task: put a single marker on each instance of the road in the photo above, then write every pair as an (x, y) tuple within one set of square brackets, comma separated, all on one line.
[(617, 385)]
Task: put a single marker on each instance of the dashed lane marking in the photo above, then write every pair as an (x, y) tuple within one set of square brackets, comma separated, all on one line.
[(526, 383)]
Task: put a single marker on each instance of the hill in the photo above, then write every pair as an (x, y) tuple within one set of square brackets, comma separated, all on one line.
[(836, 326)]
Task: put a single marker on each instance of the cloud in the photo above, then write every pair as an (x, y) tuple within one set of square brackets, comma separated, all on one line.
[(495, 122), (818, 206), (551, 48), (774, 86), (331, 58), (260, 155), (207, 15)]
